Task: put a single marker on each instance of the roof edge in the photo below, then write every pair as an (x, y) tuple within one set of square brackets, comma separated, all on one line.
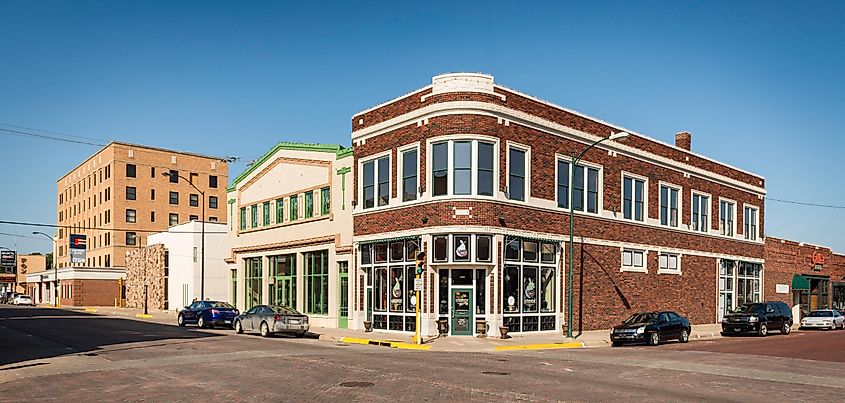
[(337, 149)]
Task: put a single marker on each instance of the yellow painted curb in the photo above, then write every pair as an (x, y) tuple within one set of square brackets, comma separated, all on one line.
[(90, 309), (575, 344), (409, 346), (384, 343), (142, 316)]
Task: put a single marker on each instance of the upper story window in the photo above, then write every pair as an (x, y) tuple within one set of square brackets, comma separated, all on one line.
[(726, 217), (194, 200), (212, 181), (516, 173), (265, 216), (325, 201), (669, 205), (174, 176), (174, 198), (584, 193), (254, 215), (634, 260), (668, 263), (410, 183), (462, 167), (243, 218), (294, 207), (212, 201), (750, 223), (377, 182), (280, 211), (131, 194), (633, 198), (700, 212), (309, 204), (130, 170)]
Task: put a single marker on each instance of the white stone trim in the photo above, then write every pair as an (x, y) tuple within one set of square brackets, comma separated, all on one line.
[(462, 82)]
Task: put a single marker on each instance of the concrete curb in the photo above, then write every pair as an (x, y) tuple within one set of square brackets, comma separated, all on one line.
[(542, 346), (385, 343), (143, 316)]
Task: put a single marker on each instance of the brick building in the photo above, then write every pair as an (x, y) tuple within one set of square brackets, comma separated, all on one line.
[(804, 276), (477, 176)]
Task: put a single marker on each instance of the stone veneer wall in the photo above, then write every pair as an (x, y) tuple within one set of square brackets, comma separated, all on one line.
[(145, 263)]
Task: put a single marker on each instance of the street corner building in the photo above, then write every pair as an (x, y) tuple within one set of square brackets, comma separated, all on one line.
[(290, 231), (482, 179)]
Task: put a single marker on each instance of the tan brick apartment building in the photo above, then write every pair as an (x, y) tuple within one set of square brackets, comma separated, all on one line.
[(477, 176)]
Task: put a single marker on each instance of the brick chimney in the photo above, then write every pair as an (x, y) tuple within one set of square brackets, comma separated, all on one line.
[(683, 140)]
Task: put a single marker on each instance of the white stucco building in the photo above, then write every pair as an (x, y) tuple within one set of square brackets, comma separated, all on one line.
[(290, 231), (183, 263)]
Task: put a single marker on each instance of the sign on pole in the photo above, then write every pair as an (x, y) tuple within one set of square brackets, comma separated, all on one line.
[(7, 259), (77, 248), (418, 284)]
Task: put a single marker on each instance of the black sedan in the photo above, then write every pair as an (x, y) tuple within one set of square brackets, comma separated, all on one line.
[(651, 328)]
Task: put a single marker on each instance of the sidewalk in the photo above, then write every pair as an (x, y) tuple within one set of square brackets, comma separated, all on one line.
[(588, 339)]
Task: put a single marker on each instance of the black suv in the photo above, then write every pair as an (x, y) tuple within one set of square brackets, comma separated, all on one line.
[(758, 318)]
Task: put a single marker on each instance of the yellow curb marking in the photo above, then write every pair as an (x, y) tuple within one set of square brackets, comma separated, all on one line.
[(141, 315), (384, 343), (576, 344), (90, 309)]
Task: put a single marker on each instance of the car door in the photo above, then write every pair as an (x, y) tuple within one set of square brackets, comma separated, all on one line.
[(677, 323), (246, 319), (664, 326), (773, 317), (190, 313), (256, 317)]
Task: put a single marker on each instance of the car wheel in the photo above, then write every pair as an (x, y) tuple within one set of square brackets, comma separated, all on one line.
[(764, 331), (180, 320), (615, 344), (238, 327), (265, 330), (786, 328), (684, 336), (300, 335), (654, 339), (201, 322)]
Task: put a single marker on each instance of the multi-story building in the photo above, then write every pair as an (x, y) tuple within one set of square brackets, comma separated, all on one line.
[(126, 191), (290, 230), (478, 177)]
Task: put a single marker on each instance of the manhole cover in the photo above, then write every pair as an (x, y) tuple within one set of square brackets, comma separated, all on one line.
[(356, 384), (496, 373)]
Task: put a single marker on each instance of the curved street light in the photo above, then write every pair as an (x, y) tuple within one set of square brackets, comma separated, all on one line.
[(55, 268), (575, 159), (168, 174)]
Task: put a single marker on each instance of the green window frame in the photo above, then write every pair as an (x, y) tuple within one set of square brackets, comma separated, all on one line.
[(317, 282), (243, 218), (253, 281), (325, 200), (234, 290), (309, 204), (280, 211), (294, 207), (266, 213), (254, 211), (282, 291)]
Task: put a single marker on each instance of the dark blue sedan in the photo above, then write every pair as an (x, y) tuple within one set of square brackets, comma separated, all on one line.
[(208, 314)]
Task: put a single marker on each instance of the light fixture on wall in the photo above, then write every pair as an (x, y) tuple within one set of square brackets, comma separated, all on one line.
[(502, 220), (425, 219)]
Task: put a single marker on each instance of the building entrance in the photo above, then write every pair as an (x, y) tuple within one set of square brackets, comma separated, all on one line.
[(462, 311)]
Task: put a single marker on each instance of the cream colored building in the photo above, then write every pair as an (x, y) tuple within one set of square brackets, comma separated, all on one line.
[(290, 230)]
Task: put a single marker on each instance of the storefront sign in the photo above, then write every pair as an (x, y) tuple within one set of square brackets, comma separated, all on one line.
[(7, 259), (782, 288), (77, 248), (818, 259)]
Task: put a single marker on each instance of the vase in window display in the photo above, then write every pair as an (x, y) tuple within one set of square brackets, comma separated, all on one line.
[(461, 251)]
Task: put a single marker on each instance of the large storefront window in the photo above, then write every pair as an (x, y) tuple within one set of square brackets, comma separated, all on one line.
[(528, 285), (391, 265), (317, 282), (252, 268), (739, 283), (283, 280)]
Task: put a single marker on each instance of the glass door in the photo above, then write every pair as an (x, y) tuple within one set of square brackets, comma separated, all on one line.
[(343, 295), (462, 312)]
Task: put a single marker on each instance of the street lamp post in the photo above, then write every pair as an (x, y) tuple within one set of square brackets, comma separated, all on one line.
[(575, 159), (55, 269), (202, 239)]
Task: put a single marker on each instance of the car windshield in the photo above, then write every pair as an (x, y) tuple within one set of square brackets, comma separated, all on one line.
[(820, 314), (284, 310), (749, 308), (219, 304), (640, 318)]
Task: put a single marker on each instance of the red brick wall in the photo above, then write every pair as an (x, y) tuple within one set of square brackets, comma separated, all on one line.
[(94, 292), (785, 258)]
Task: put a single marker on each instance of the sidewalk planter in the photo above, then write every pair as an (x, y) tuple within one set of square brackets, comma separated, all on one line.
[(442, 327), (481, 327), (503, 330), (368, 326)]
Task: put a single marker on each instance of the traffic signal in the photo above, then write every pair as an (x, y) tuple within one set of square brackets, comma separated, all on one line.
[(420, 263)]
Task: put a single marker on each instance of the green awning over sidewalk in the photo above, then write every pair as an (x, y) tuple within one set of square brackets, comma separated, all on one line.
[(800, 282)]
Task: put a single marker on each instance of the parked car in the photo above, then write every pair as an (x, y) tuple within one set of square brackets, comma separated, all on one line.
[(8, 296), (758, 318), (22, 299), (823, 319), (271, 319), (651, 328), (208, 314)]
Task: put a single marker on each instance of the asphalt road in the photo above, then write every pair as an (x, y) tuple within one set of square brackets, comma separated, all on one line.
[(69, 356)]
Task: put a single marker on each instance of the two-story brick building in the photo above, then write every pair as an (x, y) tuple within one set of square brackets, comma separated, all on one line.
[(477, 176), (290, 231)]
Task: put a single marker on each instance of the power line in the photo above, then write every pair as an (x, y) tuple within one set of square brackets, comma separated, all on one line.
[(19, 236), (31, 224), (805, 203), (52, 132), (24, 134)]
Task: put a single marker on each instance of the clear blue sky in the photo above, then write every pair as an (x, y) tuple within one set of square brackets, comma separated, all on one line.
[(758, 84)]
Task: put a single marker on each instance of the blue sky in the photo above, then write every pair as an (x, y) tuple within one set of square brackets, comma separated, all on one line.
[(758, 84)]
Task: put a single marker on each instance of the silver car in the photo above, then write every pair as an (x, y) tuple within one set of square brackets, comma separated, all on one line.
[(23, 299), (272, 319), (823, 319)]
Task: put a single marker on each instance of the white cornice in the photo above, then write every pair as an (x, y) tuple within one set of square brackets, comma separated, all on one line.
[(528, 120)]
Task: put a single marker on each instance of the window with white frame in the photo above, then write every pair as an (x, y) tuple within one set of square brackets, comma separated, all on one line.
[(376, 184), (583, 194), (700, 212), (669, 205), (462, 167), (726, 217), (668, 262), (409, 175), (750, 223), (633, 198), (516, 173), (633, 260)]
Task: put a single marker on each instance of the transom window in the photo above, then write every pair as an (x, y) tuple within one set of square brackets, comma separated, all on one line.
[(669, 205), (462, 167), (750, 223), (700, 212), (726, 217), (583, 193), (633, 198), (376, 184)]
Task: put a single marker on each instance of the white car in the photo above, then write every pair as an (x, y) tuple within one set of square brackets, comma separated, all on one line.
[(23, 300), (823, 319)]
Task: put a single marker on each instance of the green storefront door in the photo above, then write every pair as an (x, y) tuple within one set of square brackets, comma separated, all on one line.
[(285, 292), (343, 296), (462, 312)]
